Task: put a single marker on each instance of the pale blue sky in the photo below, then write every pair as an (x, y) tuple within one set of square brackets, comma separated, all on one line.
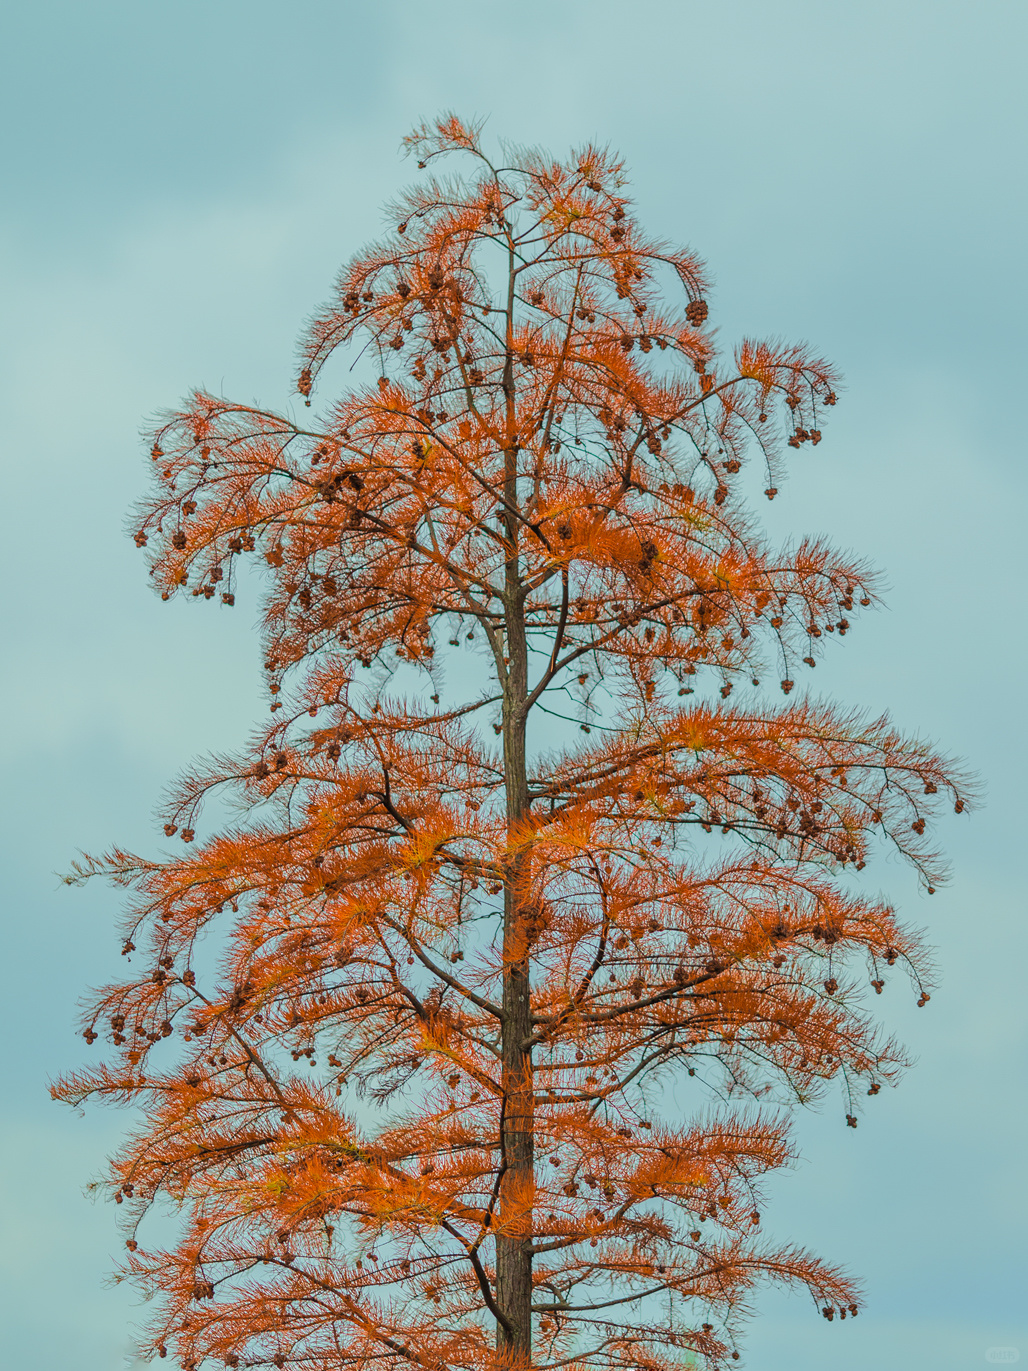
[(180, 181)]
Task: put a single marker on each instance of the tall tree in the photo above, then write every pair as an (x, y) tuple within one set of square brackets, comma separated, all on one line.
[(515, 932)]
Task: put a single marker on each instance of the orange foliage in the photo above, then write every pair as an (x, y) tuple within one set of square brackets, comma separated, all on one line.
[(526, 953)]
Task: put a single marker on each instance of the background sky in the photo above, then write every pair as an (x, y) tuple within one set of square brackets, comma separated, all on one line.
[(180, 180)]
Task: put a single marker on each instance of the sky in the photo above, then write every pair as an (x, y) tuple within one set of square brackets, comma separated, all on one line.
[(181, 181)]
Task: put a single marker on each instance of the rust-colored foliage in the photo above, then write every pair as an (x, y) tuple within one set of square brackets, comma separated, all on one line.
[(527, 950)]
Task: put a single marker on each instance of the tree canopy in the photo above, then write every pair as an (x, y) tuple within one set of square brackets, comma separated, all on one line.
[(471, 1041)]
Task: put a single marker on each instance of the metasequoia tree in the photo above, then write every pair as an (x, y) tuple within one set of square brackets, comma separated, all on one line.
[(432, 1095)]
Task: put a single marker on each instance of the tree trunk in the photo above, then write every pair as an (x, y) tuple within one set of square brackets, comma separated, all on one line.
[(513, 1249)]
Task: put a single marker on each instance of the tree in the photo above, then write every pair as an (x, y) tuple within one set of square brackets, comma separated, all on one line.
[(517, 935)]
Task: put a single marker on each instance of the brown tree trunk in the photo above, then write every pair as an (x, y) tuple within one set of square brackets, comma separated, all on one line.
[(513, 1250)]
